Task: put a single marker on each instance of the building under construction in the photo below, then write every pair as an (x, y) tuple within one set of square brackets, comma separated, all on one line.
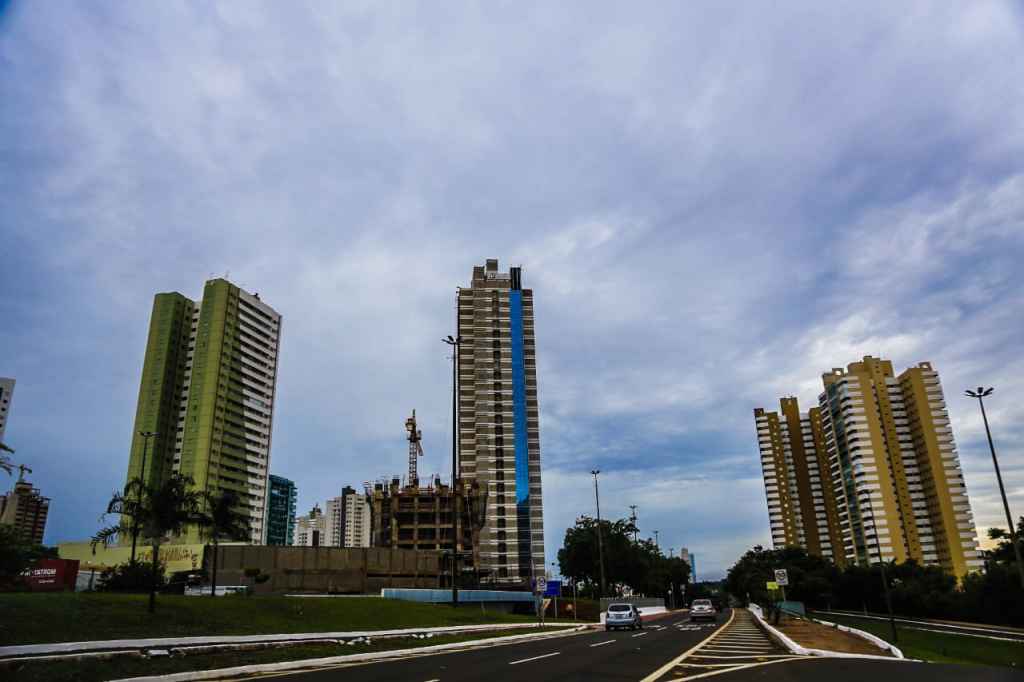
[(25, 509), (428, 517)]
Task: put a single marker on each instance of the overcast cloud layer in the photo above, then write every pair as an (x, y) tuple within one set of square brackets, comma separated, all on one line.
[(713, 203)]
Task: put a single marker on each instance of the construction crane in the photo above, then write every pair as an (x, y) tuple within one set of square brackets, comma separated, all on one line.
[(415, 449)]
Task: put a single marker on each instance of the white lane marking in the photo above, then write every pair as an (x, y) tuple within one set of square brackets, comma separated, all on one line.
[(671, 664), (641, 634), (535, 658), (747, 665), (610, 641), (436, 679)]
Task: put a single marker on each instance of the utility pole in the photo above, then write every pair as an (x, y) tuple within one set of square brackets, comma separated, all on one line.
[(656, 545), (600, 544), (885, 581), (981, 394), (454, 343), (632, 518), (146, 435)]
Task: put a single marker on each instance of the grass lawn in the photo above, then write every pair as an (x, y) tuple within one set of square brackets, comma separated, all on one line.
[(939, 647), (73, 617), (94, 671)]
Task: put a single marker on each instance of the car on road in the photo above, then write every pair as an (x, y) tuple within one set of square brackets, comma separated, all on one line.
[(702, 608), (622, 616)]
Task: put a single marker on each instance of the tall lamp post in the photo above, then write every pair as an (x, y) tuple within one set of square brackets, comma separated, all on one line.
[(981, 394), (454, 341), (885, 580), (146, 435), (600, 543)]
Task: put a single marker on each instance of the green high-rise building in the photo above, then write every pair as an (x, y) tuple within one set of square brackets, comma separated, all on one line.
[(207, 391)]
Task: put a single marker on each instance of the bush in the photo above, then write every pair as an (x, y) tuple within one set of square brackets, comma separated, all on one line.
[(134, 576)]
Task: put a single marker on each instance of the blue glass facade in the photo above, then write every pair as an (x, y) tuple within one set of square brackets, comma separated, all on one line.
[(515, 311)]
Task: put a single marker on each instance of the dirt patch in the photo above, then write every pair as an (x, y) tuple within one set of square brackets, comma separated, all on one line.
[(817, 636)]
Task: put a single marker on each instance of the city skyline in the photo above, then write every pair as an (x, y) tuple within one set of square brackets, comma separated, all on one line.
[(709, 213)]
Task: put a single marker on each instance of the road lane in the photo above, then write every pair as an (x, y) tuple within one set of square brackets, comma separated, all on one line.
[(593, 655)]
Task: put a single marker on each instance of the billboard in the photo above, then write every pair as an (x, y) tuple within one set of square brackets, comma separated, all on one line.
[(50, 575)]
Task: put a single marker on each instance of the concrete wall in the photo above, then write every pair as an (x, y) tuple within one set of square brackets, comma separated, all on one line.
[(341, 570)]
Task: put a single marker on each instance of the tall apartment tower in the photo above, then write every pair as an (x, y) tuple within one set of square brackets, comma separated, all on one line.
[(499, 428), (893, 470), (207, 391), (798, 481), (348, 520), (282, 497), (6, 396)]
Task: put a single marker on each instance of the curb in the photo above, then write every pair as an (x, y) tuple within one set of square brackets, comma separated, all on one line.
[(331, 661), (115, 647), (798, 650)]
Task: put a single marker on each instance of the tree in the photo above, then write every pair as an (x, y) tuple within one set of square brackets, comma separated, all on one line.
[(1003, 552), (222, 521), (629, 563), (160, 510)]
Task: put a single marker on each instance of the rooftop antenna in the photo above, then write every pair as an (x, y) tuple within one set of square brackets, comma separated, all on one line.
[(21, 472)]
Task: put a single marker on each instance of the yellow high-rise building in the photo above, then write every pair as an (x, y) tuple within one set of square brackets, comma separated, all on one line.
[(874, 471)]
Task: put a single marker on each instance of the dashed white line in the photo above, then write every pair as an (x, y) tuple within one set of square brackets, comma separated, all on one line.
[(535, 658), (641, 634), (609, 641)]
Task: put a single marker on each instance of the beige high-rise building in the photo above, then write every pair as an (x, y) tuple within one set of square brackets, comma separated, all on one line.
[(798, 483), (499, 424), (348, 520), (889, 474)]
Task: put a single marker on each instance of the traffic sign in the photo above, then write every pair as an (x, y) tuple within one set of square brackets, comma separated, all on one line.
[(781, 577), (542, 585), (772, 585)]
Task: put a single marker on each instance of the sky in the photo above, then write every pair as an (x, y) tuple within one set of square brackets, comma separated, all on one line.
[(713, 202)]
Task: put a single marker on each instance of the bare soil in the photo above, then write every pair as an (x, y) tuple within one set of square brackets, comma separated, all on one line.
[(817, 636)]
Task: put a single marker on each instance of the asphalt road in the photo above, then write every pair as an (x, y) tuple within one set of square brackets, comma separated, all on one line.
[(593, 655), (670, 648)]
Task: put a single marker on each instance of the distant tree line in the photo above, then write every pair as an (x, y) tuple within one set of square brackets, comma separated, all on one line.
[(631, 564), (993, 595)]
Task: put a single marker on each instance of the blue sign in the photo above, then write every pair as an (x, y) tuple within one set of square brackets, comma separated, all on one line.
[(554, 589)]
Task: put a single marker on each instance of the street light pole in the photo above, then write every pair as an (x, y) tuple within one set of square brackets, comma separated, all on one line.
[(454, 343), (981, 394), (885, 581), (146, 435), (600, 544)]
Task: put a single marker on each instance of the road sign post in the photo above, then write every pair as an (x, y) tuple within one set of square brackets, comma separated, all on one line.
[(782, 578)]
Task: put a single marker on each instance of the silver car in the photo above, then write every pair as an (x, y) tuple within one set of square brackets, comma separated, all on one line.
[(622, 616), (702, 608)]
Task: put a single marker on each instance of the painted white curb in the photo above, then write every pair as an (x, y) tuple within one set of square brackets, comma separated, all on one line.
[(314, 663), (166, 642), (795, 648)]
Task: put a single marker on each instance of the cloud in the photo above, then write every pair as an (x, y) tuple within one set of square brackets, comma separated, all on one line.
[(712, 207)]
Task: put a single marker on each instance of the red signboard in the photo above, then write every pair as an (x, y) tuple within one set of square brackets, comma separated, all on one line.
[(52, 574)]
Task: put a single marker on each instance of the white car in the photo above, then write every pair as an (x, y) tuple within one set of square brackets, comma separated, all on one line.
[(622, 616), (702, 608)]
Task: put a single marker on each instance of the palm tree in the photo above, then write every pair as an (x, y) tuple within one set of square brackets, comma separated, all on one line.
[(160, 511), (221, 521)]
